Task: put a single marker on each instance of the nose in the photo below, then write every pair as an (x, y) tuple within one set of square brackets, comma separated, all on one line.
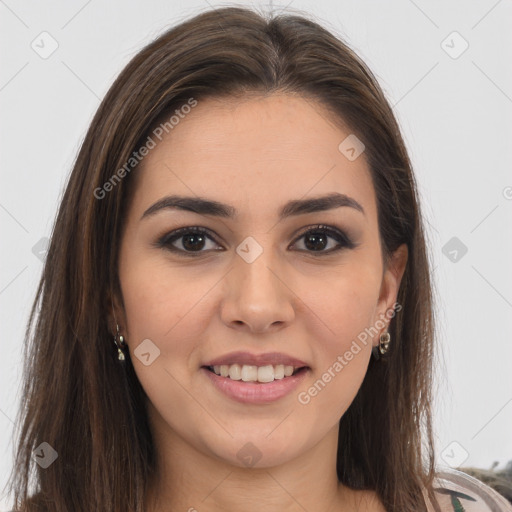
[(257, 296)]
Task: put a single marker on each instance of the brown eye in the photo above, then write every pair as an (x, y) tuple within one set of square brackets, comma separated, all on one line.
[(194, 240), (188, 241), (317, 239)]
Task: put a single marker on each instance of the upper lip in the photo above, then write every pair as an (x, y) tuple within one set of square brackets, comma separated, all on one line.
[(240, 357)]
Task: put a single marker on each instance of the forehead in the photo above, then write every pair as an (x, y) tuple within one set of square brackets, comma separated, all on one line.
[(259, 151)]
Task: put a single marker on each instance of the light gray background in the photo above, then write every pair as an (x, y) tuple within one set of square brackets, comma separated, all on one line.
[(456, 117)]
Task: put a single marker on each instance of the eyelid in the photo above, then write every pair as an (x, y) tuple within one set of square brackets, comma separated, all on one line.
[(333, 232), (164, 240), (343, 240)]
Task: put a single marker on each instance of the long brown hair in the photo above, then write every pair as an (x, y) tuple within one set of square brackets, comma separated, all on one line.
[(76, 395)]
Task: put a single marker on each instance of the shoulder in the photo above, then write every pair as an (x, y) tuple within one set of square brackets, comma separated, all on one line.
[(457, 491)]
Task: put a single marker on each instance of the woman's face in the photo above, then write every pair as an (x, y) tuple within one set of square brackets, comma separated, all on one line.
[(260, 281)]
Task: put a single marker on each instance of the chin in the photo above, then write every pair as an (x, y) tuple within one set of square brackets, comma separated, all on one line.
[(258, 451)]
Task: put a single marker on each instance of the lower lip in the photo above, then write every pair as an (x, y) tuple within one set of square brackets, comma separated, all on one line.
[(254, 392)]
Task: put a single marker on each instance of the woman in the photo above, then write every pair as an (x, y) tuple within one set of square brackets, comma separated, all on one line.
[(240, 233)]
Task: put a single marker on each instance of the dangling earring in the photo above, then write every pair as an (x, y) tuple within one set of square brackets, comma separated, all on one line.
[(119, 344), (383, 346)]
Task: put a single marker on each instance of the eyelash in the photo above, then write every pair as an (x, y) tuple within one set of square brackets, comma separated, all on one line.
[(341, 238)]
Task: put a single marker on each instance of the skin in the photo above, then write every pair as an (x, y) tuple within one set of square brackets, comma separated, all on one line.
[(255, 155)]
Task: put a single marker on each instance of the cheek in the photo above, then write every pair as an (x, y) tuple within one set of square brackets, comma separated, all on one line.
[(163, 305), (166, 305), (342, 356), (154, 296), (344, 306), (341, 328)]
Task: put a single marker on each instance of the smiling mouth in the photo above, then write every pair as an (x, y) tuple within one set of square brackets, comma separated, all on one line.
[(255, 374)]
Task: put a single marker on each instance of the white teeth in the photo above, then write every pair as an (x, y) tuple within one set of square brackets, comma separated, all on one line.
[(235, 372), (266, 373), (252, 373), (249, 373), (279, 371)]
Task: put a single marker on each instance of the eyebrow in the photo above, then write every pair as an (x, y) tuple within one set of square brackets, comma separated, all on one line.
[(205, 206)]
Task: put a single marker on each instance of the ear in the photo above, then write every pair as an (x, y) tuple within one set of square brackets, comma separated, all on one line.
[(115, 313), (391, 280)]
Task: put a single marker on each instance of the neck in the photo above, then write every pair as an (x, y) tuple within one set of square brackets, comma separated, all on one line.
[(189, 478)]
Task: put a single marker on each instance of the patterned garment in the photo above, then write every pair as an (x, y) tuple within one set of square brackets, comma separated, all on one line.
[(459, 492)]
